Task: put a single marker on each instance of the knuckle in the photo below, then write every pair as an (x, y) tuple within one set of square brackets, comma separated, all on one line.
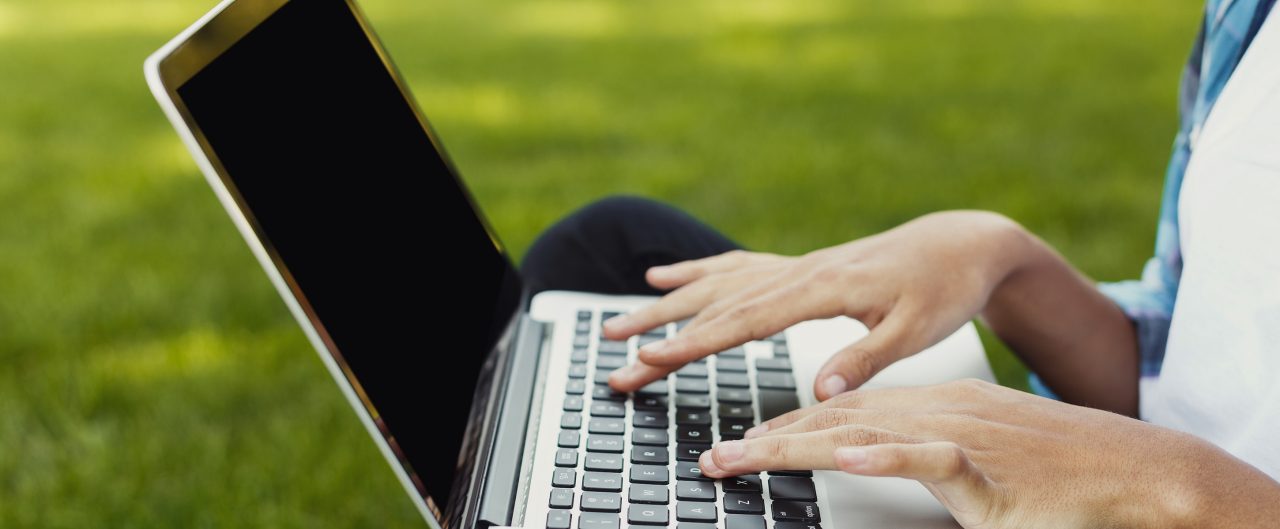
[(857, 436), (956, 463), (828, 418), (776, 451)]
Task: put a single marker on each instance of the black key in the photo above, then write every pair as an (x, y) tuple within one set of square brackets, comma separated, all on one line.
[(773, 364), (569, 439), (692, 385), (579, 355), (647, 515), (603, 392), (611, 444), (650, 437), (775, 402), (731, 365), (573, 403), (602, 482), (733, 395), (601, 462), (792, 488), (736, 352), (689, 470), (651, 474), (558, 519), (657, 387), (743, 503), (693, 434), (732, 380), (650, 455), (731, 437), (795, 525), (649, 419), (584, 315), (578, 371), (695, 525), (639, 493), (695, 491), (693, 370), (727, 411), (581, 340), (796, 511), (693, 418), (745, 483), (566, 457), (611, 362), (743, 521), (602, 376), (608, 426), (781, 350), (598, 520), (600, 502), (571, 421), (797, 473), (575, 387), (561, 499), (775, 380), (690, 451), (564, 477), (612, 347), (736, 427), (652, 402), (695, 511), (608, 408), (692, 402)]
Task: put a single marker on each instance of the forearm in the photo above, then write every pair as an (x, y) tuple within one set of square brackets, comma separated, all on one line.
[(1075, 338)]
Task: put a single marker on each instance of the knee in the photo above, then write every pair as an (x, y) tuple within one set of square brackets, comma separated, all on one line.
[(613, 211), (604, 222)]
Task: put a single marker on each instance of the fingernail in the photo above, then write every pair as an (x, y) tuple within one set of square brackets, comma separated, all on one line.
[(622, 374), (834, 385), (851, 457), (615, 321), (708, 465), (658, 348), (755, 430), (730, 451), (660, 272)]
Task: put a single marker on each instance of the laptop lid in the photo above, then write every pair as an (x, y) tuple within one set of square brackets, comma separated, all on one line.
[(321, 157)]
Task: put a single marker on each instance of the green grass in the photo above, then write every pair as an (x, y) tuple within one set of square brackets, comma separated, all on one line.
[(150, 377)]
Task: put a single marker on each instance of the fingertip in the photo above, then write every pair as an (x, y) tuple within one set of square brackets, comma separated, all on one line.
[(624, 380), (830, 386)]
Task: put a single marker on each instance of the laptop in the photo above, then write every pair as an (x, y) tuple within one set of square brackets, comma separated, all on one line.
[(489, 403)]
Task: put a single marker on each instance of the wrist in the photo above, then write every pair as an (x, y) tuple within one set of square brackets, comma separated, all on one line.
[(1207, 488)]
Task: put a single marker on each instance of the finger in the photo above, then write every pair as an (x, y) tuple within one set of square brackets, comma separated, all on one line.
[(899, 400), (921, 425), (763, 280), (629, 378), (682, 303), (804, 451), (674, 275), (959, 483), (889, 341)]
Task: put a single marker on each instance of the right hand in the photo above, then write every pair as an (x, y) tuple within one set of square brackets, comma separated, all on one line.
[(911, 286)]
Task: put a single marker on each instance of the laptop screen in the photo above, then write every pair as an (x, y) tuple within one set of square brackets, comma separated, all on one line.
[(370, 225)]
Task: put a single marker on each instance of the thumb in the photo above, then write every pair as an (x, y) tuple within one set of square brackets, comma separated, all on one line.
[(858, 362)]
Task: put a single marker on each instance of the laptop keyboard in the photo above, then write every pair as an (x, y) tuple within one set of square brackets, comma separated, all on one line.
[(633, 459)]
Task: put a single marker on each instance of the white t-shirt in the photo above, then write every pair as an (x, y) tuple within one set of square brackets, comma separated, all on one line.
[(1221, 374)]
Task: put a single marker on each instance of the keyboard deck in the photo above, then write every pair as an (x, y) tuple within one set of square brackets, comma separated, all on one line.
[(633, 459)]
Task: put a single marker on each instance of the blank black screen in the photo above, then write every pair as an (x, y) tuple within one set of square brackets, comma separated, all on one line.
[(343, 182)]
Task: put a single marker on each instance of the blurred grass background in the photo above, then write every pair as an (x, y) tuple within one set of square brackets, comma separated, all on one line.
[(150, 377)]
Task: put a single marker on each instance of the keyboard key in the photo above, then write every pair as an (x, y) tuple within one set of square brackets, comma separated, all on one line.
[(659, 331), (650, 437), (657, 387), (693, 371), (582, 327), (608, 408), (646, 339), (695, 511), (693, 418), (558, 519), (689, 470), (692, 402), (603, 392), (564, 477), (775, 380), (796, 511), (735, 352), (651, 474), (581, 341), (602, 462), (608, 315), (568, 439), (640, 493), (773, 364), (745, 483), (575, 387), (571, 421), (602, 482), (647, 515), (792, 488), (567, 457), (561, 499), (775, 402), (649, 419), (611, 444), (799, 473), (795, 525), (743, 521), (690, 451), (584, 315), (606, 426), (573, 403), (781, 337), (695, 491), (602, 376), (578, 371), (781, 350), (598, 520), (731, 437), (600, 502), (733, 395), (692, 385), (652, 402), (610, 362), (731, 365), (695, 525), (650, 455), (736, 427), (730, 411), (743, 503), (612, 347), (693, 434), (732, 380), (579, 355)]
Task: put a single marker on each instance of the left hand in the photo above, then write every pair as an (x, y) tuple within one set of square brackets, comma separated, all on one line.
[(1001, 458)]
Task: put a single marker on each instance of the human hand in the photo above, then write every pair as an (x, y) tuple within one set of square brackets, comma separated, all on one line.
[(912, 286), (1000, 458)]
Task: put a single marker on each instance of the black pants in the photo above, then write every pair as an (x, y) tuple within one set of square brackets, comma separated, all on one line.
[(606, 246)]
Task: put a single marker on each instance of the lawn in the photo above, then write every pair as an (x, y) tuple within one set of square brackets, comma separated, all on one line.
[(150, 376)]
